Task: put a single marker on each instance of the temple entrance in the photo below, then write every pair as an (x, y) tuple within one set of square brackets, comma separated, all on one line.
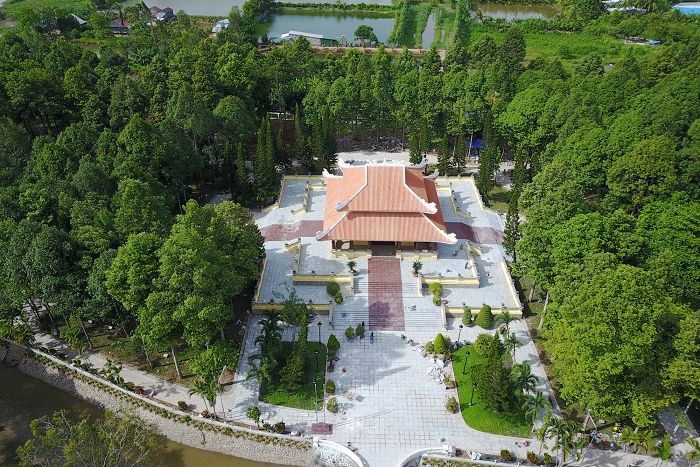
[(383, 248)]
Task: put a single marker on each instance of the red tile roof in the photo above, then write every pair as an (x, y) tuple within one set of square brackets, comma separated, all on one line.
[(383, 202)]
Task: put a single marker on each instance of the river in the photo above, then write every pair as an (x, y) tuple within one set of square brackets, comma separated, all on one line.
[(23, 398), (515, 11)]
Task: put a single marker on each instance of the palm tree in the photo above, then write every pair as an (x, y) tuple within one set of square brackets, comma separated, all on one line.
[(630, 437), (270, 336), (532, 407), (506, 318), (511, 343), (203, 389), (351, 266), (694, 453), (646, 441), (263, 370), (523, 377)]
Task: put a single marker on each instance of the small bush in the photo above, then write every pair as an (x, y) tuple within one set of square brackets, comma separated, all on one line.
[(332, 288), (429, 347), (452, 405), (467, 317), (332, 405), (437, 300), (333, 346), (435, 289), (506, 456), (533, 458), (485, 317), (330, 387), (279, 427), (338, 298), (440, 344), (267, 427), (350, 332), (547, 459), (360, 330), (182, 405)]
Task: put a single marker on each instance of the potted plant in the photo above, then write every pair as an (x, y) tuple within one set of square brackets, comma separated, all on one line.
[(417, 265), (351, 266)]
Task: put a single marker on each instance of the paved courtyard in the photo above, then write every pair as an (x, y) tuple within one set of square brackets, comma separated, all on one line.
[(400, 407)]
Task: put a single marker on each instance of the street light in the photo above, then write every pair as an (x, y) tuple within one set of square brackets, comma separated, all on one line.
[(460, 333), (464, 368), (315, 392), (319, 331), (471, 399)]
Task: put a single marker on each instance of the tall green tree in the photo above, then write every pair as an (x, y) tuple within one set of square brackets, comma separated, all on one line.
[(264, 164)]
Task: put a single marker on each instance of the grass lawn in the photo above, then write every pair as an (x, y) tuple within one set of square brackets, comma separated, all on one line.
[(303, 398), (12, 8), (478, 416), (498, 199)]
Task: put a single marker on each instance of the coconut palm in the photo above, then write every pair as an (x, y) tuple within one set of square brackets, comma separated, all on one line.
[(351, 266), (523, 378), (203, 388), (630, 437), (506, 318), (646, 441), (532, 407), (511, 343)]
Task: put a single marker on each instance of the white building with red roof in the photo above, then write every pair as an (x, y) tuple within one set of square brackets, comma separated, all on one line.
[(383, 204)]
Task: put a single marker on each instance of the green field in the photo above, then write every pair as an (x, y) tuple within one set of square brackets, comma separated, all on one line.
[(478, 416), (12, 8), (303, 398)]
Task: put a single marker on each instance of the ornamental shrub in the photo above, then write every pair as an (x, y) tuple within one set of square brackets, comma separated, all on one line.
[(350, 332), (467, 317), (333, 346), (506, 456), (332, 288), (338, 298), (485, 317), (440, 344), (533, 458), (360, 330), (436, 300), (332, 405), (452, 405), (182, 405), (279, 427), (547, 459), (429, 347), (435, 289), (330, 387)]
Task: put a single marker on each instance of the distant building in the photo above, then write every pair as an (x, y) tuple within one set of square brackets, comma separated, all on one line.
[(166, 14), (220, 26), (119, 26), (314, 39), (688, 8)]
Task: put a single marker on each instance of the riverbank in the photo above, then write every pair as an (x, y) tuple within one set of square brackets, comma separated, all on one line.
[(174, 425), (24, 398)]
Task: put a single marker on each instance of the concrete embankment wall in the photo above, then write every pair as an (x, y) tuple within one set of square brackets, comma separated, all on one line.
[(176, 426)]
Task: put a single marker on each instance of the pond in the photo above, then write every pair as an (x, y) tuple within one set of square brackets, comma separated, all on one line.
[(23, 399), (333, 25), (222, 8), (515, 11)]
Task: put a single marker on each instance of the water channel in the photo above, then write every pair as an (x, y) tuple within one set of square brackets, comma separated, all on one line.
[(23, 398)]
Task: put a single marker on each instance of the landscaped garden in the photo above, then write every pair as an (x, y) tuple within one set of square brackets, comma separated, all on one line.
[(301, 396), (476, 412)]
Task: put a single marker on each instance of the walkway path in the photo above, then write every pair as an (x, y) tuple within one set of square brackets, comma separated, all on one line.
[(385, 294)]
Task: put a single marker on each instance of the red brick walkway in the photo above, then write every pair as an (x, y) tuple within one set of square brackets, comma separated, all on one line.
[(286, 232), (475, 234), (385, 298)]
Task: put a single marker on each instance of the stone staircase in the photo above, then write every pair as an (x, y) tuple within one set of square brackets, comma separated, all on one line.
[(385, 294), (422, 318), (348, 315), (361, 286), (15, 354)]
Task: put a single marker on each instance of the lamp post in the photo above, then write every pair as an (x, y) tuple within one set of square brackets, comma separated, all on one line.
[(319, 331), (464, 368), (459, 335), (471, 399), (315, 392)]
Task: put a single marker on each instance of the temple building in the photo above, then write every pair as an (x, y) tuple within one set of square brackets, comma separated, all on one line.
[(384, 208)]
